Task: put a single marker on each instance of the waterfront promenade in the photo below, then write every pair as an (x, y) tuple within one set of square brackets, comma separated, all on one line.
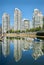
[(20, 35), (31, 35)]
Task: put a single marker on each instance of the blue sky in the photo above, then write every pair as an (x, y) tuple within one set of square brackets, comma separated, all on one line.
[(26, 7)]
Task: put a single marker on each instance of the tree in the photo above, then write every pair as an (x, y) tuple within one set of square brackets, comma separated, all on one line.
[(23, 31), (27, 30), (43, 22), (32, 30), (7, 32), (38, 29)]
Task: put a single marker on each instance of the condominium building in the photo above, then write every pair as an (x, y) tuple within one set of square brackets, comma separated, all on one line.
[(26, 24), (22, 25), (37, 19), (5, 23), (17, 19)]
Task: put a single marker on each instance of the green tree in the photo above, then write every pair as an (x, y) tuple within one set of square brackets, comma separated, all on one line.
[(23, 31), (43, 22), (27, 30)]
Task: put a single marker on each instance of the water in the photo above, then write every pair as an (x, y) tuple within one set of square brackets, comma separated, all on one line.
[(24, 51)]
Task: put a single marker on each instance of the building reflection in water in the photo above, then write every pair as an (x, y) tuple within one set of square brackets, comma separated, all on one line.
[(5, 47), (0, 48), (37, 48), (22, 45), (17, 49), (26, 44)]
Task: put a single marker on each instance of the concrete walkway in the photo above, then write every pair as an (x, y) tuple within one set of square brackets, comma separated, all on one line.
[(32, 35)]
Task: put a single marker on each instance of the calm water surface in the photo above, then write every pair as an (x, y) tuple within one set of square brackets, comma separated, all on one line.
[(21, 52)]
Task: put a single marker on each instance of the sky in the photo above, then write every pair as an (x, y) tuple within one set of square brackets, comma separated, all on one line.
[(26, 6)]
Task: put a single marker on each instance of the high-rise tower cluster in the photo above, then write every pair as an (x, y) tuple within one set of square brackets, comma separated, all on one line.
[(22, 24)]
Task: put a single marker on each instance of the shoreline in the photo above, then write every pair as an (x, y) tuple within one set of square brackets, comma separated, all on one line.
[(22, 35), (32, 35)]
